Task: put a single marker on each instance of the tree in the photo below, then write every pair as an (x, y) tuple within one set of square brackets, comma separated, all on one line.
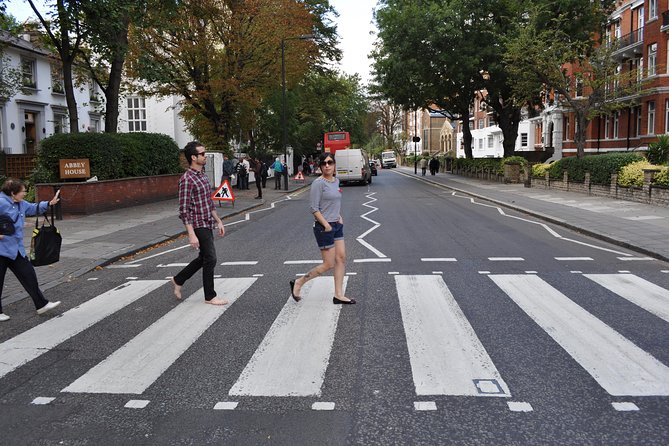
[(576, 68), (107, 24), (65, 33), (221, 57), (388, 120)]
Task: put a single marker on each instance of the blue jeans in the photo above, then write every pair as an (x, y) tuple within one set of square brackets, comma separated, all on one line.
[(205, 260), (326, 240)]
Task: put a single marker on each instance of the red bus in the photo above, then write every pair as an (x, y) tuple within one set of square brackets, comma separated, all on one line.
[(334, 141)]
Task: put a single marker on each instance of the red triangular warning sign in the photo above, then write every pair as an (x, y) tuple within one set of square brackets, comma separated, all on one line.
[(299, 176), (224, 193)]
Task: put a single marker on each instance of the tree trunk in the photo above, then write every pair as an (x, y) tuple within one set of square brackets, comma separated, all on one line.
[(509, 118), (579, 135), (466, 133), (113, 89), (69, 96)]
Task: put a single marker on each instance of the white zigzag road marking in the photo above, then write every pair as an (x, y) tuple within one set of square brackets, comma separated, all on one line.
[(376, 224)]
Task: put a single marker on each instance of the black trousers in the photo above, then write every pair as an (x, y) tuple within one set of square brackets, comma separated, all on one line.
[(205, 260), (25, 273), (259, 186), (277, 180)]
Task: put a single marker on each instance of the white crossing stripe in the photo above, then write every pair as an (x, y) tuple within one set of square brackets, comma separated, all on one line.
[(438, 259), (293, 357), (571, 259), (618, 365), (641, 292), (506, 259), (447, 358), (240, 263), (135, 366), (38, 340)]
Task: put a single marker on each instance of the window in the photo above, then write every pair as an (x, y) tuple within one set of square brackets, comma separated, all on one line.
[(638, 120), (28, 73), (566, 129), (652, 9), (60, 123), (616, 117), (651, 118), (481, 124), (606, 127), (491, 142), (523, 140), (579, 87), (471, 125), (94, 92), (57, 82), (652, 59), (136, 114), (481, 144)]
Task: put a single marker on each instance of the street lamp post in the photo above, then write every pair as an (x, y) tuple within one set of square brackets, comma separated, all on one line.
[(283, 99)]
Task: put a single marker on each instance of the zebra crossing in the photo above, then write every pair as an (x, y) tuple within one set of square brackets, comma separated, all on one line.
[(446, 356)]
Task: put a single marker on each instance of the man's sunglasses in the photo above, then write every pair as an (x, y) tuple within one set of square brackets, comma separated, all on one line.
[(328, 162), (201, 153)]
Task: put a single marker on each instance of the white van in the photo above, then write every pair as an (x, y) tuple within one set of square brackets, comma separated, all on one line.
[(388, 159), (353, 165)]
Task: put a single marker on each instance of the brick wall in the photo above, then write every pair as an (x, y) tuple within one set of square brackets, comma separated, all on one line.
[(99, 196)]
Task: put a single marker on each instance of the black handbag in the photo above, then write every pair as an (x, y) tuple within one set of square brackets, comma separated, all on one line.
[(6, 225), (45, 243)]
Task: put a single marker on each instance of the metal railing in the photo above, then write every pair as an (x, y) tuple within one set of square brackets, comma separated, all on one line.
[(633, 38)]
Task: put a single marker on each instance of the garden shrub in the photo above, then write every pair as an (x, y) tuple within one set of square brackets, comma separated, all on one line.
[(111, 155), (662, 178), (600, 166), (658, 151), (632, 174), (539, 170)]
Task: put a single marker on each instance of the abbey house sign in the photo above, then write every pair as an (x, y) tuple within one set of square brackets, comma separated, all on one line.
[(79, 168)]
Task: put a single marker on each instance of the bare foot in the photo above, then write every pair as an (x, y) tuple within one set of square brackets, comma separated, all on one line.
[(177, 289), (298, 287), (216, 301)]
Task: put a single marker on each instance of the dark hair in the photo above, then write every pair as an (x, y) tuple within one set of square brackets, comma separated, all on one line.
[(13, 186), (190, 150), (323, 156)]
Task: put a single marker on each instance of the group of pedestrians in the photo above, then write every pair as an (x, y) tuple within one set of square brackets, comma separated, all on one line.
[(433, 164), (198, 214)]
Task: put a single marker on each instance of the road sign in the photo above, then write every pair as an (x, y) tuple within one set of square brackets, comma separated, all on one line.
[(224, 193)]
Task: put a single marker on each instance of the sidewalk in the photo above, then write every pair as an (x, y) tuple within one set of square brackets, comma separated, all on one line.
[(629, 224), (99, 239)]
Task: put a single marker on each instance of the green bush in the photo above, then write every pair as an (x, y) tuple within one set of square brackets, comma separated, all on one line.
[(662, 178), (111, 155), (658, 152), (539, 170), (632, 174), (600, 166)]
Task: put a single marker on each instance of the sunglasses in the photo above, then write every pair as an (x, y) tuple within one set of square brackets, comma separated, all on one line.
[(328, 163), (201, 153)]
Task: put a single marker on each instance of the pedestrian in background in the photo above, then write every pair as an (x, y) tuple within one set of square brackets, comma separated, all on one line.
[(278, 170), (228, 170), (423, 165), (434, 165), (325, 202), (12, 252), (198, 214), (257, 172), (263, 173)]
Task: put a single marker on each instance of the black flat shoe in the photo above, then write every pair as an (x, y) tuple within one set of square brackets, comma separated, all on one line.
[(292, 285), (342, 302)]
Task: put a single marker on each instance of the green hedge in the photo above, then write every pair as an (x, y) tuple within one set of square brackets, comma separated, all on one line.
[(111, 155), (600, 166), (495, 165)]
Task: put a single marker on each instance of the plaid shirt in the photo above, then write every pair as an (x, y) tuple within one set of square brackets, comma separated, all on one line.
[(195, 203)]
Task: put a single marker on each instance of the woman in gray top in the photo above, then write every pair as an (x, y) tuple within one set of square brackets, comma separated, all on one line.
[(325, 201)]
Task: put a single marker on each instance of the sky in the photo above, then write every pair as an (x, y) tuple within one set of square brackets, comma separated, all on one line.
[(354, 25)]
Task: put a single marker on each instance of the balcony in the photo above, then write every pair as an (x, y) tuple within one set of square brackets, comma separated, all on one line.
[(629, 45), (665, 22)]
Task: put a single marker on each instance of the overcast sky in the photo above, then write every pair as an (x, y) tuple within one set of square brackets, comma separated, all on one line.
[(354, 25)]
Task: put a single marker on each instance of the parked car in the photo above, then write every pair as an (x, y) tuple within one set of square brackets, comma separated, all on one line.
[(372, 166)]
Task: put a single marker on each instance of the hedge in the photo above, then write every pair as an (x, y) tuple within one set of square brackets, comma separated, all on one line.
[(111, 155), (600, 166)]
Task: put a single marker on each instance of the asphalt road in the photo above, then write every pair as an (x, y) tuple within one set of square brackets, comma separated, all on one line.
[(474, 325)]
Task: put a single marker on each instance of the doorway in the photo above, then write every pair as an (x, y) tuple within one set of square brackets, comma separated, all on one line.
[(30, 143)]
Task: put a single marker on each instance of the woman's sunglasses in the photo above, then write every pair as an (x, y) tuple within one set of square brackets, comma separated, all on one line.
[(328, 163)]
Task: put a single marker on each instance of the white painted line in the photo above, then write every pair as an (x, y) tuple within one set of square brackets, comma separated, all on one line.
[(92, 278), (171, 265), (301, 262), (664, 271), (371, 248), (240, 263), (625, 406), (506, 259), (135, 366), (137, 404), (323, 405), (376, 224), (644, 217), (217, 276), (484, 272), (447, 358), (573, 259), (258, 275), (392, 273), (622, 271), (631, 259), (159, 254), (437, 272), (226, 405), (530, 272), (641, 292), (519, 406), (292, 358), (42, 400), (33, 343), (424, 405), (137, 265), (131, 278), (576, 272), (371, 260), (351, 274), (438, 259), (618, 365)]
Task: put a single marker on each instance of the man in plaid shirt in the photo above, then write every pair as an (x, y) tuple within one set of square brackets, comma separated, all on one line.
[(196, 210)]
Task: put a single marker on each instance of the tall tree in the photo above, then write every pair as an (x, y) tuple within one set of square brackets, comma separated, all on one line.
[(222, 57), (65, 33)]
